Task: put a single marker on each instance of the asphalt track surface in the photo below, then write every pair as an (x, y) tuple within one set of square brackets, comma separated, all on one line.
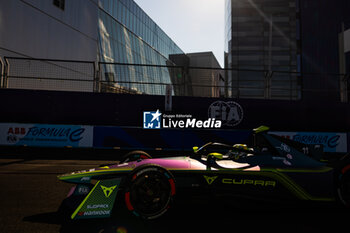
[(30, 196)]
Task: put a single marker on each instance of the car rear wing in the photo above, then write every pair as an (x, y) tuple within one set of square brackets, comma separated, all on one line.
[(313, 150)]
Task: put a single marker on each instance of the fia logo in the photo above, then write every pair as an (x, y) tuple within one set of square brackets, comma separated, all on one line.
[(151, 120), (230, 113)]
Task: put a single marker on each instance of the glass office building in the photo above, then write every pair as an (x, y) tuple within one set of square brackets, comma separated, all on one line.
[(128, 35), (262, 36), (100, 31)]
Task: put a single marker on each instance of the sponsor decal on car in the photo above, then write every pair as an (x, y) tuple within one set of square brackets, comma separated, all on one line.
[(107, 191), (209, 179), (331, 141), (263, 183), (238, 181), (100, 200), (98, 206), (83, 189), (283, 147), (97, 212)]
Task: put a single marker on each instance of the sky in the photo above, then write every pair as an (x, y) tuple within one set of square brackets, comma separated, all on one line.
[(194, 25)]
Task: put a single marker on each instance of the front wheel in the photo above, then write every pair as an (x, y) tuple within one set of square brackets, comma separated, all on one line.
[(150, 191)]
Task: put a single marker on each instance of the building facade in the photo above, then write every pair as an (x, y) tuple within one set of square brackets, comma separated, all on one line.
[(325, 31), (112, 32), (128, 35), (262, 49), (304, 43), (49, 29), (202, 75)]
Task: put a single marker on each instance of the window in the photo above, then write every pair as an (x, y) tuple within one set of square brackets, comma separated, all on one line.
[(59, 3)]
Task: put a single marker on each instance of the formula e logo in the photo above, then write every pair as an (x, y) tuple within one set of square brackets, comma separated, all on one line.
[(108, 190), (209, 179), (230, 113), (152, 120)]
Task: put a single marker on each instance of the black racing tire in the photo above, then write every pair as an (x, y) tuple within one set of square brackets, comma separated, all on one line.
[(134, 156), (150, 191), (343, 186)]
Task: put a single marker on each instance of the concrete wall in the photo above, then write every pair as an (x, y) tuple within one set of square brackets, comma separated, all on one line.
[(58, 107)]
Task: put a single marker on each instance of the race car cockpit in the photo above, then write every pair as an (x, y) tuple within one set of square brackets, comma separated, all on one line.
[(266, 150)]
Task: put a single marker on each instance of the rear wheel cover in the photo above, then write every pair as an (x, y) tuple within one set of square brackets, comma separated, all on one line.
[(134, 156), (150, 192)]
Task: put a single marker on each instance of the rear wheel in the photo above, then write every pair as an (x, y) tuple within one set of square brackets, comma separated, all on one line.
[(134, 156), (150, 191), (343, 188)]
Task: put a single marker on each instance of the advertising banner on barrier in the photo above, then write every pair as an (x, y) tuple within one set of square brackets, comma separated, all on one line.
[(332, 142), (45, 135), (166, 139)]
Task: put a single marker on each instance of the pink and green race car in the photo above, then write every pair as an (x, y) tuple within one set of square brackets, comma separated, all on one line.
[(272, 167)]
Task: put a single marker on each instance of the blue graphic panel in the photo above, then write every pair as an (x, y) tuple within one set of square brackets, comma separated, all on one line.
[(45, 135), (167, 139)]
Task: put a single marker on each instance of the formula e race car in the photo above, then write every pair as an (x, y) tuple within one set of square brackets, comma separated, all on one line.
[(273, 167)]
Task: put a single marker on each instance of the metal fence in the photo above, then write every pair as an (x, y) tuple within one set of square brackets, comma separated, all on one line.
[(86, 76), (138, 78), (264, 84), (49, 74), (2, 67)]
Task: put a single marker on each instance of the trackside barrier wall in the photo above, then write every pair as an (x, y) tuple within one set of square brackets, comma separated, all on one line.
[(79, 136), (168, 139), (131, 138), (348, 137), (106, 109)]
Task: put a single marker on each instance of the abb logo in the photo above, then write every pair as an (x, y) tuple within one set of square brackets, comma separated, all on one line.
[(16, 130)]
